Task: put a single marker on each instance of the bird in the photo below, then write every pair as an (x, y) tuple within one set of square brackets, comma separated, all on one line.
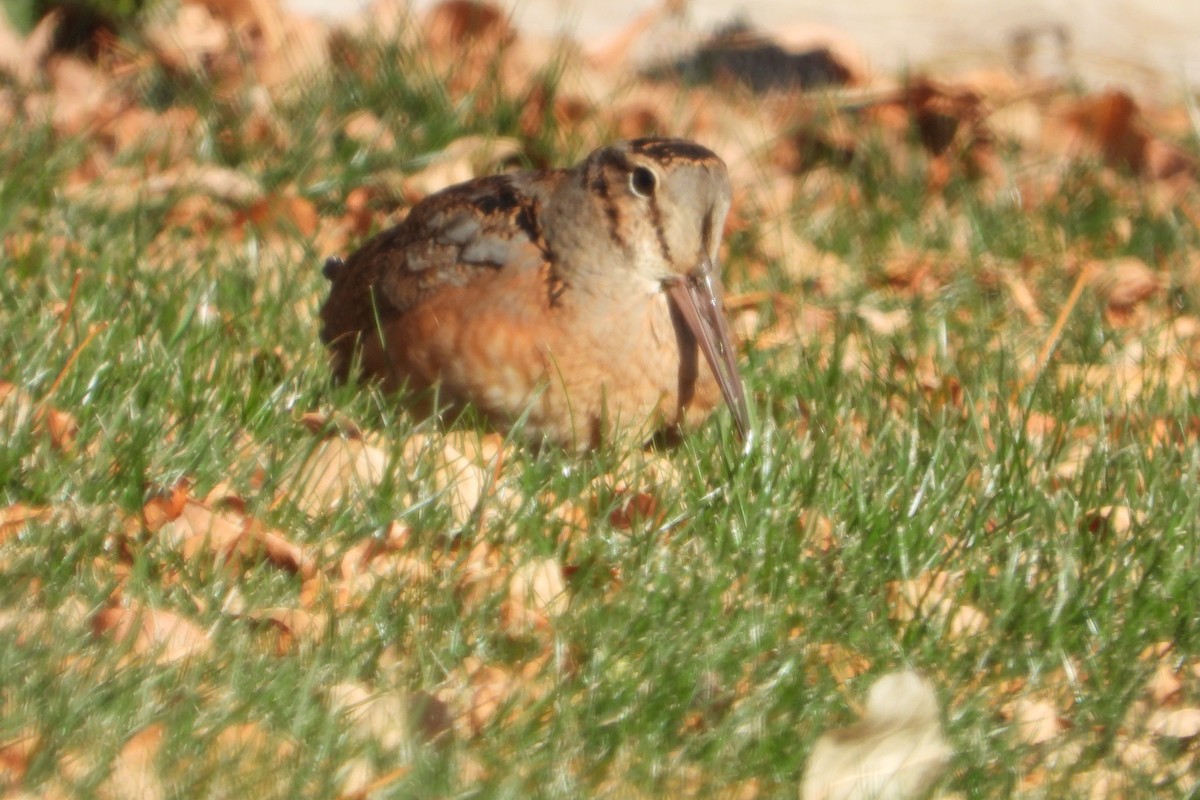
[(569, 303)]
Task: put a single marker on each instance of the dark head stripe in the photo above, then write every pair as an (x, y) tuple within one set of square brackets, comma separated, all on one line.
[(668, 150)]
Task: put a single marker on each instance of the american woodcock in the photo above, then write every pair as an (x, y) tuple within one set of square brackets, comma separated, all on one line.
[(574, 299)]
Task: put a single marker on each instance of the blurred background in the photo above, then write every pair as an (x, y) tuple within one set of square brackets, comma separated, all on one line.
[(1148, 46)]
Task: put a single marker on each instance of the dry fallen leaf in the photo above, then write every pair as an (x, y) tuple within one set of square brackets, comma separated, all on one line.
[(22, 58), (1035, 721), (336, 471), (537, 595), (461, 160), (134, 772), (456, 480), (154, 632), (14, 518), (896, 752), (1183, 723), (931, 596)]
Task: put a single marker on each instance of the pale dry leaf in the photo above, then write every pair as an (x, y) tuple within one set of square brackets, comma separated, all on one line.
[(1036, 721), (293, 625), (338, 470), (461, 160), (15, 753), (1183, 723), (537, 595), (381, 717), (134, 774), (896, 752), (82, 96), (190, 37), (931, 596), (157, 632), (301, 53), (491, 688), (1164, 685), (198, 528), (1100, 783), (367, 129), (22, 58), (457, 481), (884, 323), (14, 518), (1125, 282), (220, 183), (1138, 754)]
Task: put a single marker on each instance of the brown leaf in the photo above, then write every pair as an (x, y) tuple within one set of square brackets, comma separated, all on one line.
[(463, 159), (165, 505), (457, 481), (14, 518), (15, 753), (1036, 721), (337, 470), (1164, 686), (293, 626), (154, 632), (199, 528), (1125, 283), (537, 595), (896, 752), (1183, 723), (281, 211), (22, 58), (277, 550), (191, 38), (491, 688), (134, 773), (1111, 124)]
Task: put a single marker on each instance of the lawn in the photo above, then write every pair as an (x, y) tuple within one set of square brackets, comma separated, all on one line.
[(973, 371)]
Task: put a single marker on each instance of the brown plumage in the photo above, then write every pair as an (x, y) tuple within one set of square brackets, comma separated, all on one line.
[(575, 299)]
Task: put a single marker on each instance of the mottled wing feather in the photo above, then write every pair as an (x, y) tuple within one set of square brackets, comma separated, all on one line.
[(451, 238)]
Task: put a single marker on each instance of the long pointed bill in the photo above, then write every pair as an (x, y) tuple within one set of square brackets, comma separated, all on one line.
[(697, 296)]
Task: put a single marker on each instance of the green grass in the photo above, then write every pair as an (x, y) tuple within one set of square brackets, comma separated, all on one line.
[(691, 639)]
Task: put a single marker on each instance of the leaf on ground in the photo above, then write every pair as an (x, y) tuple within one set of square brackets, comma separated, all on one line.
[(1182, 723), (338, 470), (461, 160), (14, 518), (156, 632), (1125, 283), (300, 54), (1164, 685), (895, 752), (16, 751), (1112, 126), (456, 480), (22, 57), (18, 409), (390, 719), (930, 597), (134, 773), (491, 687), (189, 38), (292, 626), (537, 595), (1036, 721)]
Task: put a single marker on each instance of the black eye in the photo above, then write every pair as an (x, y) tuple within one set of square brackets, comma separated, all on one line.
[(643, 181)]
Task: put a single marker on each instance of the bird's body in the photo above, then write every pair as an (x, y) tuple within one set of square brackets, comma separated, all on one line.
[(552, 297)]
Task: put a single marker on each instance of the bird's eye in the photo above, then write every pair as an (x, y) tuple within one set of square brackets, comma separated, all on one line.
[(643, 181)]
